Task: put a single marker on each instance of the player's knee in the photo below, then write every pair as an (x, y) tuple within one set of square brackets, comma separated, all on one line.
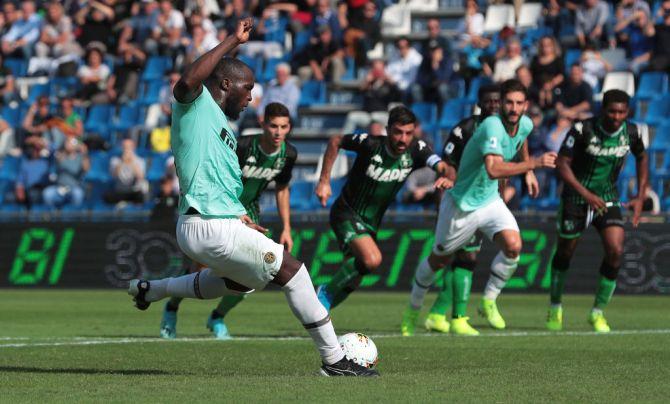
[(289, 267), (436, 262), (513, 248), (614, 253), (609, 271), (368, 264)]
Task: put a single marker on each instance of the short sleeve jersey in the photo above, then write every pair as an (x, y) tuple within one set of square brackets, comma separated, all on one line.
[(378, 174), (210, 179), (597, 157), (473, 188), (259, 169), (458, 138)]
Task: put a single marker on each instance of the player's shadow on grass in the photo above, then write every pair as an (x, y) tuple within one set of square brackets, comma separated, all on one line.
[(84, 371)]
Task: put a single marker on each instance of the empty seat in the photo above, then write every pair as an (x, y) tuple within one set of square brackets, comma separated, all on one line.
[(498, 16), (156, 67), (396, 20), (313, 93), (652, 85), (624, 81), (529, 15)]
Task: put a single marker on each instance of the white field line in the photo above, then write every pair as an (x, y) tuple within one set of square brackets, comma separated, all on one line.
[(76, 341)]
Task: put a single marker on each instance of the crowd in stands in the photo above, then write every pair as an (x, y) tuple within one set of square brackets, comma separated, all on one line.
[(85, 85)]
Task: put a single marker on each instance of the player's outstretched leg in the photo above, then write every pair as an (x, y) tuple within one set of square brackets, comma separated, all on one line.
[(423, 279), (215, 321), (437, 316), (169, 318), (297, 287)]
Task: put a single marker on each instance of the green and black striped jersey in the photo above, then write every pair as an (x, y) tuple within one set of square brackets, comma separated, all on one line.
[(598, 156), (378, 175), (458, 138), (259, 169)]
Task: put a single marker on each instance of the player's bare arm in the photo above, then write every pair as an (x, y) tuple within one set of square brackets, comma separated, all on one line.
[(497, 167), (531, 180), (283, 207), (189, 86), (568, 177), (446, 176), (642, 171), (323, 190)]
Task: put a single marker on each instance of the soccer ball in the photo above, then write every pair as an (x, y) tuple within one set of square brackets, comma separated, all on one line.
[(359, 348)]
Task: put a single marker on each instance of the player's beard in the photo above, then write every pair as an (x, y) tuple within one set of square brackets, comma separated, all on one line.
[(232, 108)]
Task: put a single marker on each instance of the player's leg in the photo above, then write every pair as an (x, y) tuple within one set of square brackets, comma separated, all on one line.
[(571, 222), (463, 267), (613, 239), (437, 319), (499, 224), (215, 321)]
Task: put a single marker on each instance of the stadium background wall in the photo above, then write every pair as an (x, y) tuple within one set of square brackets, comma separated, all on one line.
[(106, 255)]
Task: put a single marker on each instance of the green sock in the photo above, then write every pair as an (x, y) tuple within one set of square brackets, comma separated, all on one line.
[(557, 285), (445, 297), (227, 303), (604, 292), (345, 281), (462, 285)]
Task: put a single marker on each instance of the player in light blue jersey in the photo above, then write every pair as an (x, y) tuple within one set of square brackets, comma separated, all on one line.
[(213, 228), (474, 203)]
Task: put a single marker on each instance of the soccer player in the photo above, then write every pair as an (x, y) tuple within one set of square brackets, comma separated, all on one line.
[(213, 228), (589, 163), (381, 167), (474, 204), (264, 158)]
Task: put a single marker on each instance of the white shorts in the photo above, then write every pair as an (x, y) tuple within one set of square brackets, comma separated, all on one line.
[(455, 227), (231, 249)]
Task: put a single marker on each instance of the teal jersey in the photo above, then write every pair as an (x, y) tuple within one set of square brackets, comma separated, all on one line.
[(473, 188), (210, 179)]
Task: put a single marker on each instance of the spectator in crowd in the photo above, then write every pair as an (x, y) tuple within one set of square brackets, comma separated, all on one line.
[(199, 44), (138, 30), (660, 54), (7, 141), (93, 77), (574, 100), (8, 17), (505, 67), (324, 58), (595, 67), (376, 128), (20, 40), (557, 17), (72, 163), (33, 175), (471, 27), (638, 44), (199, 17), (166, 203), (404, 64), (166, 98), (128, 174), (435, 38), (591, 23), (7, 87), (96, 21), (168, 30), (547, 67), (235, 10), (57, 38), (67, 125), (36, 124), (325, 15), (283, 90), (432, 82), (627, 12), (524, 75), (249, 118), (379, 89), (124, 83), (363, 31)]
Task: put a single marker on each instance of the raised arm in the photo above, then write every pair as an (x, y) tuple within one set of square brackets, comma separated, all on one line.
[(189, 86), (323, 191)]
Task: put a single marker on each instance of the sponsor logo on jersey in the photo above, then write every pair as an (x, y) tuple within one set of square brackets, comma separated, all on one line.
[(228, 139), (279, 164), (449, 148), (596, 150), (458, 132), (377, 159), (262, 173), (251, 160), (387, 174), (405, 161)]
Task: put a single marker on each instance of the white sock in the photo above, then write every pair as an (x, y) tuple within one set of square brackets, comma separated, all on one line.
[(314, 317), (200, 285), (502, 268), (423, 278)]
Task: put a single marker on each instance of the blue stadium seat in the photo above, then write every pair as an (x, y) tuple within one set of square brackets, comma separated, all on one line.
[(313, 93), (474, 88), (452, 112), (255, 64), (37, 91), (156, 67), (99, 119), (275, 30), (627, 174), (658, 111), (19, 67), (302, 195), (60, 87), (350, 72), (426, 113), (269, 70), (9, 168), (571, 57), (127, 118), (301, 41), (156, 169), (652, 85), (99, 170), (151, 91), (11, 115), (659, 151)]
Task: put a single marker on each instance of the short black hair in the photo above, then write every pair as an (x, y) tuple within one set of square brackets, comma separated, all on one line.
[(512, 86), (615, 96), (487, 89), (229, 68), (401, 115), (274, 110)]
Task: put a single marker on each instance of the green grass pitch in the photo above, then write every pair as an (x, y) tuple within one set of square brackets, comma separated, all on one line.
[(93, 346)]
